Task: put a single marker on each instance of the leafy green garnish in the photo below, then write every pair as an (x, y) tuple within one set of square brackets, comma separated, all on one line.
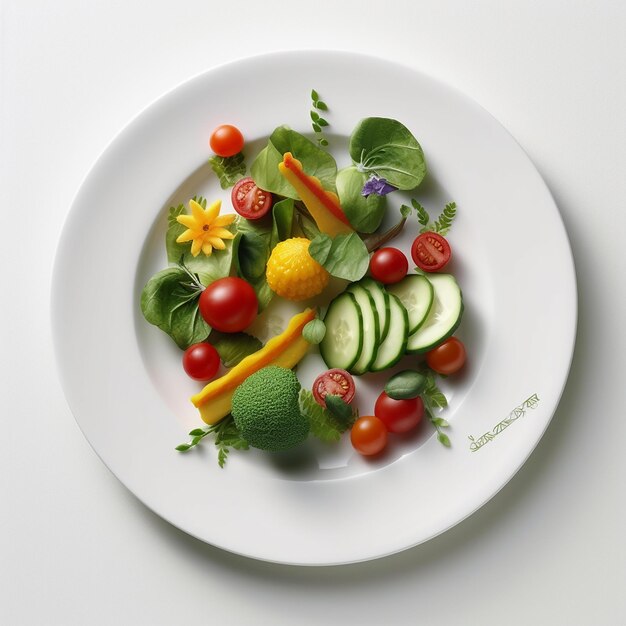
[(434, 399), (170, 301), (315, 162), (234, 347), (441, 225), (317, 121), (406, 385), (323, 424), (343, 256), (342, 411), (364, 214), (228, 169), (387, 148), (254, 243), (208, 268), (226, 434), (314, 331)]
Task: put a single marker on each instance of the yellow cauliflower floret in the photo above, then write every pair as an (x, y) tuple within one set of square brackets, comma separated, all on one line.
[(293, 273)]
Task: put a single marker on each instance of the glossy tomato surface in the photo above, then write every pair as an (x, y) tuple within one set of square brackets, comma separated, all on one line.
[(229, 304), (335, 382), (399, 416), (201, 361), (368, 435), (249, 200), (226, 140), (430, 251), (448, 357), (389, 265)]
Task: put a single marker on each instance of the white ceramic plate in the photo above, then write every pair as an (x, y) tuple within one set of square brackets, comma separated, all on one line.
[(322, 505)]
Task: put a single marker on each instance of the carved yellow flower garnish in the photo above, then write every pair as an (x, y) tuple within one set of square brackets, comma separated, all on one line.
[(205, 228)]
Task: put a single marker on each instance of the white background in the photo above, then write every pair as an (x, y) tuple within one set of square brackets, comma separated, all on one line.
[(77, 548)]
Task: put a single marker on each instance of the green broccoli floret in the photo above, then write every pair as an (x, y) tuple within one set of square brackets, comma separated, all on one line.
[(266, 410)]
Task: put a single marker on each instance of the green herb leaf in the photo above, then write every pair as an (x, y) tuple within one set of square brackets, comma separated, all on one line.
[(197, 432), (315, 116), (422, 215), (321, 106), (183, 447), (234, 347), (314, 95), (323, 424), (323, 142), (387, 148), (228, 169), (405, 211), (405, 385), (170, 301), (344, 256), (444, 439), (316, 127), (322, 122), (340, 410), (364, 214), (443, 224), (314, 331)]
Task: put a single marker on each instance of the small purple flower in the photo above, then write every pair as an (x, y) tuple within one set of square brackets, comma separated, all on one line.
[(376, 185)]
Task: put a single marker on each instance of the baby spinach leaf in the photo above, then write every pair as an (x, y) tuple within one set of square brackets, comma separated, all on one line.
[(364, 214), (282, 221), (406, 385), (253, 253), (228, 169), (234, 347), (388, 149), (341, 410), (315, 162), (170, 301), (344, 256)]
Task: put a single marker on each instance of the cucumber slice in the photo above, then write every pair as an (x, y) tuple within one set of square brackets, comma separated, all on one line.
[(343, 341), (392, 349), (416, 294), (371, 329), (381, 300), (444, 317)]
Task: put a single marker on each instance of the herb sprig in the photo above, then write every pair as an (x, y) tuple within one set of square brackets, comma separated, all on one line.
[(441, 225), (435, 400), (317, 121), (228, 169), (226, 435)]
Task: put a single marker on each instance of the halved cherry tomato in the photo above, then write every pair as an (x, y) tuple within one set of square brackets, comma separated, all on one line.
[(226, 140), (389, 265), (335, 382), (250, 201), (430, 251), (448, 357), (201, 361), (368, 435), (229, 304), (399, 416)]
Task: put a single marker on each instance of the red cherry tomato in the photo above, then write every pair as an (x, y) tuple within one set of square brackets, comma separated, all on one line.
[(368, 435), (201, 361), (226, 140), (448, 357), (229, 304), (399, 416), (389, 265), (430, 251), (250, 201), (335, 382)]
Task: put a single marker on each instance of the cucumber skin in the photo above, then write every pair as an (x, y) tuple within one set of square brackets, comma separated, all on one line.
[(402, 352), (360, 334), (383, 331), (442, 339), (374, 310)]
